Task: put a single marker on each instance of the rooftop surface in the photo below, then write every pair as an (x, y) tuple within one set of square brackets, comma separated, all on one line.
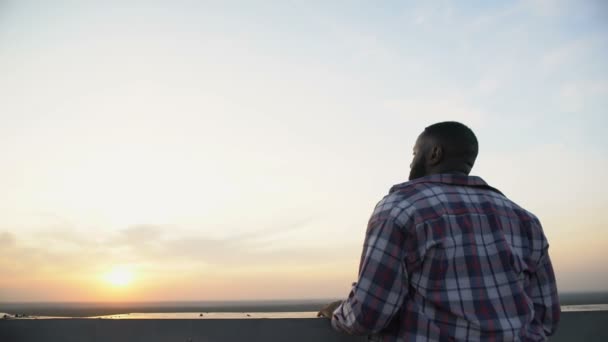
[(576, 325)]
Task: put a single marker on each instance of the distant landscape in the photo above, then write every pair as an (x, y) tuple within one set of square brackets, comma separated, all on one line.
[(583, 298), (85, 309)]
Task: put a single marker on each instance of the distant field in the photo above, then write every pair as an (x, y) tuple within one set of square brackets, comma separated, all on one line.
[(98, 309), (574, 298)]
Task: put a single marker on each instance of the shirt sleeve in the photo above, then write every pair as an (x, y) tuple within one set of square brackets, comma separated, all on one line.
[(543, 292), (382, 285)]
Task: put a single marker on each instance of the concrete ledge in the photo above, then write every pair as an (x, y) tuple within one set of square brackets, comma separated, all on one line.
[(182, 330), (576, 326)]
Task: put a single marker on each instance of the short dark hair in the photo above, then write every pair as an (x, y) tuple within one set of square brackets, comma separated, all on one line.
[(458, 141)]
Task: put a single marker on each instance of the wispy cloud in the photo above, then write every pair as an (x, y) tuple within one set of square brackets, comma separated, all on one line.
[(155, 247)]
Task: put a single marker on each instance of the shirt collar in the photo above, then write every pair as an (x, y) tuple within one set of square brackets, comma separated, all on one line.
[(447, 178)]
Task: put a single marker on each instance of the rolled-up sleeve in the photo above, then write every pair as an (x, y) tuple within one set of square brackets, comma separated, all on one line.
[(382, 285)]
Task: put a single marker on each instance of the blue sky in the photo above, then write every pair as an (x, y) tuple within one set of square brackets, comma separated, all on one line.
[(190, 122)]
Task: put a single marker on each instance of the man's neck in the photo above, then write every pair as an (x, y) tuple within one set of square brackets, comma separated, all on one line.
[(447, 171)]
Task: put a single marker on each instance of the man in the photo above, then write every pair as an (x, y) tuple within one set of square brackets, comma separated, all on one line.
[(447, 257)]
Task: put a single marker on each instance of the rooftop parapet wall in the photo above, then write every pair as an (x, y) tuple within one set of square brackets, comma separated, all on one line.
[(575, 326)]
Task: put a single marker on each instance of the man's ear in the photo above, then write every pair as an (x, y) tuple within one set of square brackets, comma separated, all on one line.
[(436, 155)]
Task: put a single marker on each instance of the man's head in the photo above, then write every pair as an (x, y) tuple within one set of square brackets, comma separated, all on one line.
[(445, 147)]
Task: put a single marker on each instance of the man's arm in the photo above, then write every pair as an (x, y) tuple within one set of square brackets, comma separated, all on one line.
[(378, 294), (543, 292)]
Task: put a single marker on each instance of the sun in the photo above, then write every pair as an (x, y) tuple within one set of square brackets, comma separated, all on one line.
[(119, 276)]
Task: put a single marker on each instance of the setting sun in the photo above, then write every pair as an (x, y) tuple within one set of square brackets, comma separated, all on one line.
[(119, 276)]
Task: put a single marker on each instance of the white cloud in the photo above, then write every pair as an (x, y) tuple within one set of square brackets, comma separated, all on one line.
[(549, 179), (569, 54), (577, 96), (546, 7)]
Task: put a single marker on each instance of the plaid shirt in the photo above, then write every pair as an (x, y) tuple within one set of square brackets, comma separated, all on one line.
[(447, 257)]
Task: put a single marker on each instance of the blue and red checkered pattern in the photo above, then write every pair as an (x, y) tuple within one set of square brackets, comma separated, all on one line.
[(447, 257)]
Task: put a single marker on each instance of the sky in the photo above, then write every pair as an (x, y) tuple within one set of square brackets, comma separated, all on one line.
[(213, 150)]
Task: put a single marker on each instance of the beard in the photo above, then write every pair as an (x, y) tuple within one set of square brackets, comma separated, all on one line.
[(418, 169)]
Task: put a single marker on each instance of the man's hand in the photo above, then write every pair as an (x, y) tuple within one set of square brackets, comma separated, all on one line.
[(328, 310)]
